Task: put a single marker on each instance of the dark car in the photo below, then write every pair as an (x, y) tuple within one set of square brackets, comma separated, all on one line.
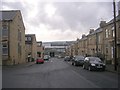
[(72, 58), (39, 61), (78, 60), (93, 63), (67, 58)]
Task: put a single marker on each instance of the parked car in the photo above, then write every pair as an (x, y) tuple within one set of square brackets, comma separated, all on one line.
[(72, 58), (67, 58), (93, 63), (78, 60), (59, 56), (46, 57), (39, 61)]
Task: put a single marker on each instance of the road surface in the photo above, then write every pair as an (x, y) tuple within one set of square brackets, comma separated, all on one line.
[(56, 73)]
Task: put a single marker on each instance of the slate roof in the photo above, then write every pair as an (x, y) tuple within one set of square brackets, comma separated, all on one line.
[(29, 35), (100, 30), (8, 15), (111, 21)]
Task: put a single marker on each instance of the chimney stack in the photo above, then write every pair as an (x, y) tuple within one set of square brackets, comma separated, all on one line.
[(91, 31), (83, 36), (102, 23), (77, 39)]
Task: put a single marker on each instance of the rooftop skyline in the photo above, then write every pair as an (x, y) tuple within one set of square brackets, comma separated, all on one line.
[(60, 21)]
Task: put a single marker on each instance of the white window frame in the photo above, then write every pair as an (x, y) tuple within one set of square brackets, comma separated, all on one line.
[(106, 33), (4, 48), (4, 30), (5, 26), (26, 38), (113, 32), (112, 52)]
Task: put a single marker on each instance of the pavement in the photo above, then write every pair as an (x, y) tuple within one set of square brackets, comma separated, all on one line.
[(19, 65), (0, 77), (110, 68)]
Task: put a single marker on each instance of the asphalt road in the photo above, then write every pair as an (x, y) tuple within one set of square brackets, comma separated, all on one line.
[(0, 77), (56, 73)]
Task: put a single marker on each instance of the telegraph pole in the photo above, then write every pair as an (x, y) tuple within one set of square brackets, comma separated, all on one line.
[(115, 39), (0, 44)]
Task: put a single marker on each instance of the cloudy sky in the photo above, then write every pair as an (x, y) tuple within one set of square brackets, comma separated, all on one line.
[(60, 20)]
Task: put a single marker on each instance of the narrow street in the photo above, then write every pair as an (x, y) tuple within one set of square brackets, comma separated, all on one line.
[(56, 73)]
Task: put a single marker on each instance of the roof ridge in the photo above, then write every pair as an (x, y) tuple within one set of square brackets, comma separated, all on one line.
[(9, 14), (8, 10)]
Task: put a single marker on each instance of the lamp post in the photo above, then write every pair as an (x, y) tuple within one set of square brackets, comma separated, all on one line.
[(115, 39), (0, 46)]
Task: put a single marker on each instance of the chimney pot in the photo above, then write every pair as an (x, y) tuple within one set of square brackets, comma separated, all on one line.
[(91, 31), (102, 23), (83, 35)]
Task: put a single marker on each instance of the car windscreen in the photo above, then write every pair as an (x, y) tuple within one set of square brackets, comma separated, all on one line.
[(94, 59), (46, 56), (79, 58), (67, 57)]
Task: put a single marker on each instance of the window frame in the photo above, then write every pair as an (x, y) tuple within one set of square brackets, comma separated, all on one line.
[(106, 33), (5, 48), (3, 30)]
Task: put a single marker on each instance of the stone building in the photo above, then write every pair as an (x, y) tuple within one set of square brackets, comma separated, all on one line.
[(67, 51), (75, 48), (91, 42), (40, 50), (99, 42), (109, 38), (57, 48), (13, 37), (31, 47), (69, 48), (82, 46)]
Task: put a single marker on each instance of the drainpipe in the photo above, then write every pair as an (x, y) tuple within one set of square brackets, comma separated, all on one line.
[(97, 44), (9, 58)]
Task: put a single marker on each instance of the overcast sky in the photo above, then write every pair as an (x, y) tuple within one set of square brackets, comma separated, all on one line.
[(54, 21)]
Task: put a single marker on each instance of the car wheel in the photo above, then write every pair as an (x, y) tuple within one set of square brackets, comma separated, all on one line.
[(89, 68), (83, 66), (103, 69), (75, 64), (72, 63)]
